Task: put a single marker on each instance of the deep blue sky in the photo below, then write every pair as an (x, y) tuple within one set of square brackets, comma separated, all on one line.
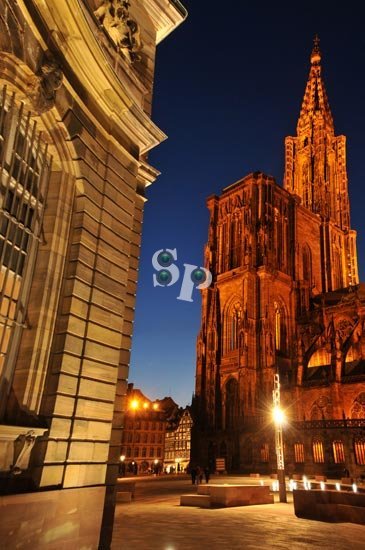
[(228, 88)]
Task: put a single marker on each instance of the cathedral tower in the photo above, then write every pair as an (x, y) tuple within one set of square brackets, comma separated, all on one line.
[(315, 171)]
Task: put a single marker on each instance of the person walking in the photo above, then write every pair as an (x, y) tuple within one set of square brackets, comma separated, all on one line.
[(207, 474), (193, 475), (198, 474)]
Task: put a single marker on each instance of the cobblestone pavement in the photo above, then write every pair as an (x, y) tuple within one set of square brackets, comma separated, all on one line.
[(158, 522)]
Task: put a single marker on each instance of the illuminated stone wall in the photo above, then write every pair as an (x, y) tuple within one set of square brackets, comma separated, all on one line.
[(88, 90)]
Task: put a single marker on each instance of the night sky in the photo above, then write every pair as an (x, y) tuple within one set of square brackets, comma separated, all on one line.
[(228, 88)]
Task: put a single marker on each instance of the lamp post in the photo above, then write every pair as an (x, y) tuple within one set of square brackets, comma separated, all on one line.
[(279, 419)]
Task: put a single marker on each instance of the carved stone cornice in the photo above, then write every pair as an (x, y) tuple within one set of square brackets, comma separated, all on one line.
[(166, 15)]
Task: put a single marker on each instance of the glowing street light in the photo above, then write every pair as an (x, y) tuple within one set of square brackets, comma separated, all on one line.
[(134, 404), (279, 420), (278, 416)]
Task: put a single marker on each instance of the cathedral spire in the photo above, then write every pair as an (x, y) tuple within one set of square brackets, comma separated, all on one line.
[(315, 101), (316, 52), (315, 171)]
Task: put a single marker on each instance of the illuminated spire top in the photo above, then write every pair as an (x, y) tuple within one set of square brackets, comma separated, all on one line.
[(315, 98), (316, 52)]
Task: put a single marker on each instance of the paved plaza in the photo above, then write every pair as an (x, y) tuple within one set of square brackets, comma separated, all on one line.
[(155, 521)]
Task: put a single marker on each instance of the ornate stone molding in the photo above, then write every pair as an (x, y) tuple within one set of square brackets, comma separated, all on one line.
[(124, 31), (42, 89)]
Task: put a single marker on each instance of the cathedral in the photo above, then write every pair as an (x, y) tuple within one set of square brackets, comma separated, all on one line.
[(285, 299)]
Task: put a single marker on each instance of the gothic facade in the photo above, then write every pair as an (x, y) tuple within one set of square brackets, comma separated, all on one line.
[(76, 84), (285, 298)]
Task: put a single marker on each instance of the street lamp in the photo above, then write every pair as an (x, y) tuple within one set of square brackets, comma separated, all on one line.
[(279, 420)]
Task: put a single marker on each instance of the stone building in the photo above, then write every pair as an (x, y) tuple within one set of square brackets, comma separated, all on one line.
[(178, 441), (285, 298), (76, 82), (143, 438)]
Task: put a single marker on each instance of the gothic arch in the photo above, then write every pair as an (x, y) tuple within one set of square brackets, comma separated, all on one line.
[(353, 354), (358, 406), (337, 268), (321, 408), (280, 326), (235, 239), (307, 263), (232, 318), (315, 413), (321, 357)]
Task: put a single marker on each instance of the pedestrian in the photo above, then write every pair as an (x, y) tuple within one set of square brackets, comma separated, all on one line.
[(346, 473), (193, 474), (207, 474), (199, 475)]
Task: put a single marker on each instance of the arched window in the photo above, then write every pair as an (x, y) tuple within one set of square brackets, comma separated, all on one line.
[(235, 242), (232, 327), (320, 358), (280, 328), (318, 451), (353, 355), (232, 399), (316, 413), (25, 170), (298, 453), (359, 448), (338, 452), (233, 341), (222, 247), (307, 264), (337, 269)]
